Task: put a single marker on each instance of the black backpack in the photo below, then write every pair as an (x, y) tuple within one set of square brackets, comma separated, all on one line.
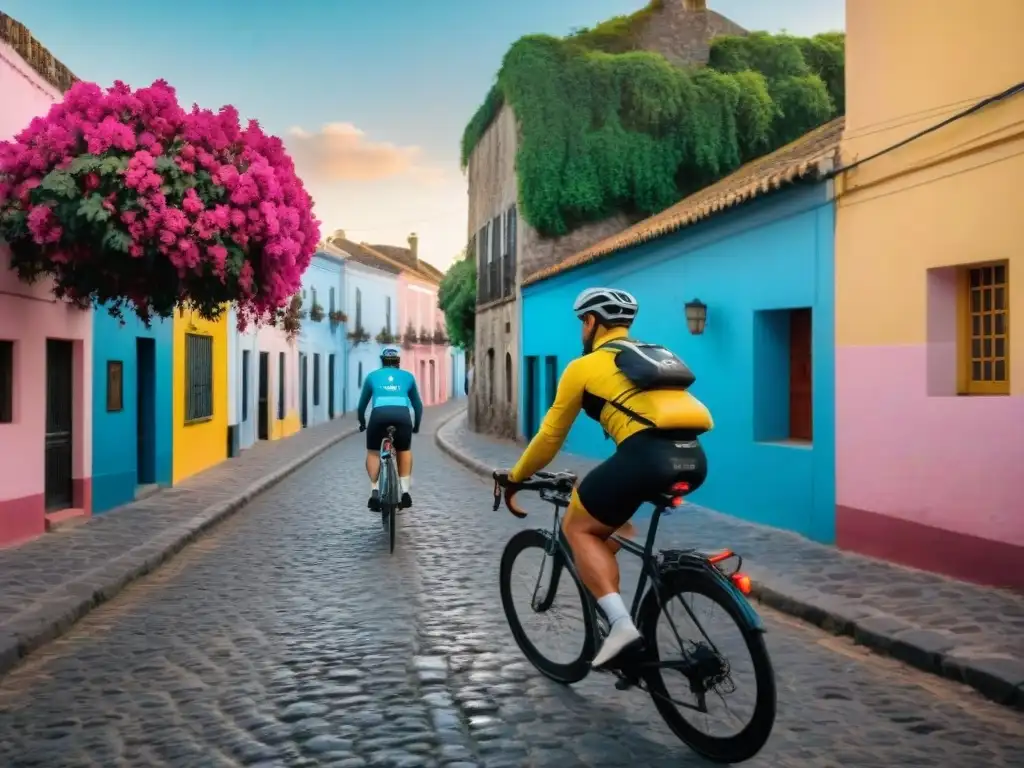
[(648, 367)]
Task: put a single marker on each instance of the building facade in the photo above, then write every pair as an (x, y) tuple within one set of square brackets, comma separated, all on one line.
[(322, 342), (200, 393), (927, 252), (132, 405), (425, 346), (371, 308), (764, 360), (46, 345), (263, 377), (508, 249)]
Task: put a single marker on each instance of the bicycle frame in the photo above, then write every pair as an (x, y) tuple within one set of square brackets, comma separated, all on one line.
[(650, 574), (386, 454)]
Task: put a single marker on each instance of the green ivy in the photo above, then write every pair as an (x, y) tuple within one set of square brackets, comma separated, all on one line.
[(605, 132), (456, 297)]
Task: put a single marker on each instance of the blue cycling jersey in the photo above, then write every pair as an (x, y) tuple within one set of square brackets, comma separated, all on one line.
[(390, 386)]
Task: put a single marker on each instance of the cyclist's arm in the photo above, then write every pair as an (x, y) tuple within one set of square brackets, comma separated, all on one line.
[(556, 425), (364, 400), (416, 403)]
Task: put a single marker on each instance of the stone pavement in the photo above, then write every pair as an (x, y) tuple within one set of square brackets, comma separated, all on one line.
[(289, 636), (968, 633), (50, 582)]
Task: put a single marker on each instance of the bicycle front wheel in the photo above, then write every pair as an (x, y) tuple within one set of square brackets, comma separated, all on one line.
[(533, 568), (702, 666)]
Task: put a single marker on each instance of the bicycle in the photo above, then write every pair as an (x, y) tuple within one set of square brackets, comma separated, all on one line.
[(664, 576), (390, 491)]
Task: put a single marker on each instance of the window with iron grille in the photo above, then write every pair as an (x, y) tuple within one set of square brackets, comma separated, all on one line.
[(115, 386), (494, 278), (6, 382), (483, 243), (198, 377), (280, 385), (387, 314), (509, 261), (359, 308), (330, 300), (316, 378), (245, 384)]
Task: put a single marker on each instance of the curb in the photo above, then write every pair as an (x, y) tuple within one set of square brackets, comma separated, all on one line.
[(28, 630), (998, 678)]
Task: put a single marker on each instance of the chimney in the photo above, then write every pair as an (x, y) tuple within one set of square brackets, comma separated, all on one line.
[(414, 243), (339, 234), (695, 5)]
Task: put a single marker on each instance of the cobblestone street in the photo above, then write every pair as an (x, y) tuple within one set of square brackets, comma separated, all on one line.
[(288, 636)]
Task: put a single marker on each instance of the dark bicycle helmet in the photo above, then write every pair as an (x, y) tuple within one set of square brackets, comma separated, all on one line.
[(389, 355)]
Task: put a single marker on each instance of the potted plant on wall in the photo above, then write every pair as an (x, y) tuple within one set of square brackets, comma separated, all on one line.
[(316, 312), (410, 337), (358, 335), (337, 317), (109, 179), (385, 337), (439, 338), (425, 336)]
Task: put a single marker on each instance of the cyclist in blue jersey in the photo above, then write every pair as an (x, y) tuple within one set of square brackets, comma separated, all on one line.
[(393, 392)]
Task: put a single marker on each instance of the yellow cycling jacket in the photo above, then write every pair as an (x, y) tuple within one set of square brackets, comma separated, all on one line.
[(589, 382)]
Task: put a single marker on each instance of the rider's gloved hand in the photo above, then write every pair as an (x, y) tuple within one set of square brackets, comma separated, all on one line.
[(362, 427), (416, 429)]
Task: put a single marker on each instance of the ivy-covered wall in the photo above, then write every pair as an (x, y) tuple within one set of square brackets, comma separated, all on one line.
[(605, 129)]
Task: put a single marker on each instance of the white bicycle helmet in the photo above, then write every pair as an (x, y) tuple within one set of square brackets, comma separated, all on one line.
[(611, 306)]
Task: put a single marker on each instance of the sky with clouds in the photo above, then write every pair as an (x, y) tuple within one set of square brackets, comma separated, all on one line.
[(370, 97)]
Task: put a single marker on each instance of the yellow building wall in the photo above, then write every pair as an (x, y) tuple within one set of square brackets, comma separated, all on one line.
[(286, 427), (954, 197), (199, 446)]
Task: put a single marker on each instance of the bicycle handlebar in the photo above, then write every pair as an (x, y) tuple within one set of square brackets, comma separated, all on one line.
[(556, 482)]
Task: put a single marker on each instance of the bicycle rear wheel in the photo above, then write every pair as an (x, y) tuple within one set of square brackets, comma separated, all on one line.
[(541, 585), (390, 498), (750, 739)]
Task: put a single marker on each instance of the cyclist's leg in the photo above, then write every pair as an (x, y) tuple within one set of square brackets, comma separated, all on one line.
[(376, 430)]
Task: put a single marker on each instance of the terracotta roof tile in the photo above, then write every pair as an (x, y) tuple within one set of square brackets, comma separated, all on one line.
[(364, 256), (404, 257), (46, 65), (810, 156)]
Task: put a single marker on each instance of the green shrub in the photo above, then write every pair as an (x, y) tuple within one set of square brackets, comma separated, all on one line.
[(627, 131)]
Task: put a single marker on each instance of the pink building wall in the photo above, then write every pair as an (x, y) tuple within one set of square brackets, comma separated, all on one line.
[(29, 315), (431, 364)]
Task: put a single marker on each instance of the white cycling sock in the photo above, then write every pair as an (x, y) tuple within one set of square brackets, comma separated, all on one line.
[(373, 486), (406, 483), (614, 607)]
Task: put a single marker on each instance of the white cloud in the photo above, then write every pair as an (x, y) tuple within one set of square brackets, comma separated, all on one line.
[(342, 152)]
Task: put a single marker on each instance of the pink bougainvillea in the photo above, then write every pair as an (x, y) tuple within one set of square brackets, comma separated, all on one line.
[(125, 198)]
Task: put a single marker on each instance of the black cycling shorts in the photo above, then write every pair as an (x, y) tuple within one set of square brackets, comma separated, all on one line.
[(643, 466), (396, 416)]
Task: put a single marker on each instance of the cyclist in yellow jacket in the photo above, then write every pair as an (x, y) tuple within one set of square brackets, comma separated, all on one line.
[(655, 431)]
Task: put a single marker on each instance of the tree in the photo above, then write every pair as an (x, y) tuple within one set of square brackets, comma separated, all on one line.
[(456, 297)]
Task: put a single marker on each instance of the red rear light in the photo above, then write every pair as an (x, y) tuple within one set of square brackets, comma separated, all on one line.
[(677, 501), (742, 582), (681, 487)]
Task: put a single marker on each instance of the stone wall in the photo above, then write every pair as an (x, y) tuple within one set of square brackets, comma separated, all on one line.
[(17, 35), (681, 31)]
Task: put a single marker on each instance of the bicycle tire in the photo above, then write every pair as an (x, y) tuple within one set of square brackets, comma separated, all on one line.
[(748, 742), (390, 498), (579, 668)]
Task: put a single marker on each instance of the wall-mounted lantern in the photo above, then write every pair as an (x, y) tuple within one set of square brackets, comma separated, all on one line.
[(696, 316)]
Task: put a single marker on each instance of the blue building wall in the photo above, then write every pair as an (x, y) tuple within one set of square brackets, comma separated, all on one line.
[(457, 375), (322, 281), (115, 435), (374, 288), (772, 254)]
